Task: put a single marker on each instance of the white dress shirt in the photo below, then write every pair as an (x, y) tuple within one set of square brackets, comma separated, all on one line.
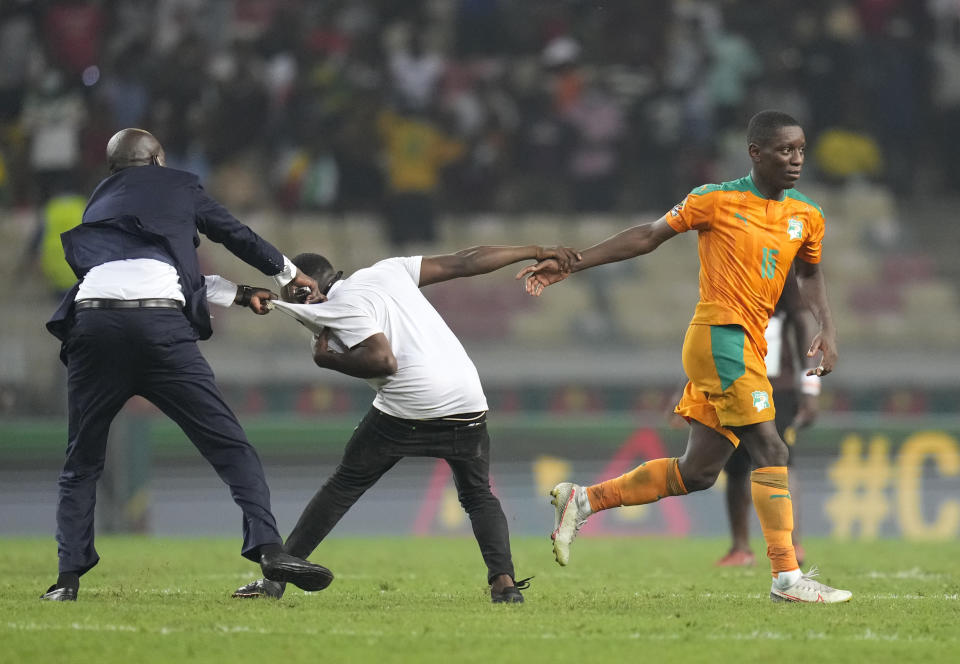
[(146, 278)]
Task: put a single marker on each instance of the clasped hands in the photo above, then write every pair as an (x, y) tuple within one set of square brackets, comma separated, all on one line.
[(553, 264)]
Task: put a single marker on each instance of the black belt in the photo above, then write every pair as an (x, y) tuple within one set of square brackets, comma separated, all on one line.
[(150, 303), (460, 417)]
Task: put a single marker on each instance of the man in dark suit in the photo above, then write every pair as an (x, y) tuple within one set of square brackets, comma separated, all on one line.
[(130, 326)]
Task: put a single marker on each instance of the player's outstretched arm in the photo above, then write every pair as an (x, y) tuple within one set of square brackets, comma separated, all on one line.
[(626, 244), (480, 260), (813, 289), (371, 358)]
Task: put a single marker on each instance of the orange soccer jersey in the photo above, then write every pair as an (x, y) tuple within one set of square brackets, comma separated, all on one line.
[(746, 245)]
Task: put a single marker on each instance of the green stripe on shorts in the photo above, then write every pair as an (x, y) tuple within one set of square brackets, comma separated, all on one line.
[(726, 343)]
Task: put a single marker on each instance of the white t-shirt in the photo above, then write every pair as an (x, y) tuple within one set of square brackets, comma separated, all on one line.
[(435, 377)]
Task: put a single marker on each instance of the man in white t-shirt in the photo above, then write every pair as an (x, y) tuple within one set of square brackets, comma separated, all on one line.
[(377, 325)]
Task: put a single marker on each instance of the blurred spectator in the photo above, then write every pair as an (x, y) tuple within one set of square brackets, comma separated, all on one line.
[(54, 114), (945, 55), (843, 153), (239, 112), (594, 161), (832, 64), (415, 72), (416, 150), (73, 33), (357, 146), (17, 44), (896, 95), (310, 177), (124, 89), (478, 27), (476, 181), (561, 58), (734, 64), (541, 153), (486, 117), (61, 212), (181, 99)]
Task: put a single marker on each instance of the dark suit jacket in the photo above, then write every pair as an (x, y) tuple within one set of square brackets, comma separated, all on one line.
[(157, 212)]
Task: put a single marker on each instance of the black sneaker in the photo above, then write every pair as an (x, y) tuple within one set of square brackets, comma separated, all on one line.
[(510, 594), (261, 588)]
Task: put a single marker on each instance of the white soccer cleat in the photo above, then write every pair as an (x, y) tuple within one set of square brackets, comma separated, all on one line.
[(808, 590), (571, 511)]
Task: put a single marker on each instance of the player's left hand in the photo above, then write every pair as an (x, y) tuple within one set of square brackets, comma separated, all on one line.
[(826, 343), (539, 276)]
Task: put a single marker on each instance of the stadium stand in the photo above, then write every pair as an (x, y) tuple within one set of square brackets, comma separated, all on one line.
[(303, 163)]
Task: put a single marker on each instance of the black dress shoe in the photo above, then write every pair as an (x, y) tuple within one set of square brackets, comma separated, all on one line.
[(283, 567), (510, 594), (55, 594), (261, 588)]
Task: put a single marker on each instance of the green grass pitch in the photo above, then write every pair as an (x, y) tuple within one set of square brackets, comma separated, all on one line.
[(425, 600)]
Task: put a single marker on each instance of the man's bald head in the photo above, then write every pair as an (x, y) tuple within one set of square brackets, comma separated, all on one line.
[(134, 147)]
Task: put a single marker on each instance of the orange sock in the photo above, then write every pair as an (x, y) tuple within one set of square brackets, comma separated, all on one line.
[(771, 498), (647, 483)]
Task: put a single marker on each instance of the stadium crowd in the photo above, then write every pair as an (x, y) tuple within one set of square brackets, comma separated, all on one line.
[(471, 105), (553, 106)]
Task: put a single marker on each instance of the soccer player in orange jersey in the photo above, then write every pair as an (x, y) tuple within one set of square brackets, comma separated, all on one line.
[(749, 232)]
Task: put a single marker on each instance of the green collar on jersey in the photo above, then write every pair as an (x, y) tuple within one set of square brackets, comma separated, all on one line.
[(746, 183)]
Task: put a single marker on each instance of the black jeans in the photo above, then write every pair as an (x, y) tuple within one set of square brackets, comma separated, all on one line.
[(377, 444)]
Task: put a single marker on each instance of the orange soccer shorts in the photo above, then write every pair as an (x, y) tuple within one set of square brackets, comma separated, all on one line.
[(727, 379)]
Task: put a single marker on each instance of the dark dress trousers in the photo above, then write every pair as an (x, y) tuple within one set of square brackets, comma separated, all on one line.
[(114, 354)]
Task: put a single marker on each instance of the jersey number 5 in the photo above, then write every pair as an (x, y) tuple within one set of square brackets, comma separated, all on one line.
[(768, 267)]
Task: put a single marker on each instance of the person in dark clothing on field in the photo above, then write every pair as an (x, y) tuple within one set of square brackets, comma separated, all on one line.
[(129, 327)]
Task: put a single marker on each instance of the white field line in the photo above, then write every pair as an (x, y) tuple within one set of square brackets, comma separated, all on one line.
[(856, 595), (755, 635), (92, 627), (764, 635), (254, 574), (291, 591), (913, 573), (916, 574), (81, 627)]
